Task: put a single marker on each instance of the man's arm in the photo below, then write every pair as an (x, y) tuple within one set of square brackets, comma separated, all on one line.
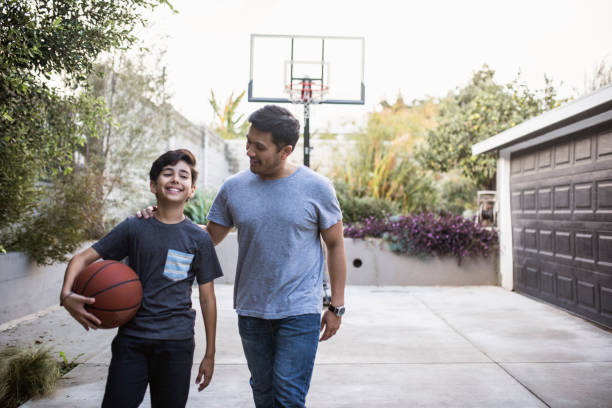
[(216, 231), (336, 265), (75, 304), (208, 304)]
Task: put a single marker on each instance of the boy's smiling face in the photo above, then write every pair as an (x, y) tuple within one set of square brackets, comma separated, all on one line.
[(174, 183)]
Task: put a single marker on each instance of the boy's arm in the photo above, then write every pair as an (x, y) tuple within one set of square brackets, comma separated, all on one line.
[(208, 304), (336, 264), (75, 304)]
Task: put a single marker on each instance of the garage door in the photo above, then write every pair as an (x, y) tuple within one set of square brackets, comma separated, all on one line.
[(562, 223)]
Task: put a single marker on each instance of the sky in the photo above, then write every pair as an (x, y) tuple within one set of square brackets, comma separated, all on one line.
[(418, 49)]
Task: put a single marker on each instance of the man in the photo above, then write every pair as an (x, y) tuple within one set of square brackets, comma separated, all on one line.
[(281, 212)]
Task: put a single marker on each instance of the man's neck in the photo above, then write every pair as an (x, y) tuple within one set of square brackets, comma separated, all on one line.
[(169, 214), (287, 170)]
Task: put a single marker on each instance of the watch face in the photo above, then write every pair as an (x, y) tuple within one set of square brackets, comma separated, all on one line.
[(338, 311)]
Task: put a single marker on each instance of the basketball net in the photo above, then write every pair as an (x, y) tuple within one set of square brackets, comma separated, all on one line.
[(306, 92)]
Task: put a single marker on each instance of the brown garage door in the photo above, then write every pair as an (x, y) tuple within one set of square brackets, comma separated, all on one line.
[(562, 223)]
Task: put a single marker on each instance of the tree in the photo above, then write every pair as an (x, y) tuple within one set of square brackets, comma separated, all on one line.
[(47, 51), (601, 76), (141, 124), (229, 126), (478, 111)]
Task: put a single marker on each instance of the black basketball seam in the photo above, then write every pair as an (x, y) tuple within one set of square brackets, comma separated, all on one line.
[(112, 310), (95, 273), (113, 286)]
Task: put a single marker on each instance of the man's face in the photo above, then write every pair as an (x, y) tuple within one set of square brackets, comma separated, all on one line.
[(174, 183), (265, 159)]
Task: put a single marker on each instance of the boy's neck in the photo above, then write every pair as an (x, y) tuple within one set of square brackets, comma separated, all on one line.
[(169, 214)]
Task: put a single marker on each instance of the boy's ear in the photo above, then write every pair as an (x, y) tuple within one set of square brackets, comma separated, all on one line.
[(153, 187), (192, 193)]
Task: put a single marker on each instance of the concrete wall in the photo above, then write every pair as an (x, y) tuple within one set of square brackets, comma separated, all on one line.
[(209, 149), (27, 288), (369, 262)]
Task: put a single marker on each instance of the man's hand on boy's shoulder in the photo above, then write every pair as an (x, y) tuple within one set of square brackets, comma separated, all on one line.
[(147, 212), (75, 305)]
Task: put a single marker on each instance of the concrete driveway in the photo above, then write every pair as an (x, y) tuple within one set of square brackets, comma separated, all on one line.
[(479, 346)]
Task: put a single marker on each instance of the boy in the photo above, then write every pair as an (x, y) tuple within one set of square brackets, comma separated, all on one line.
[(167, 252)]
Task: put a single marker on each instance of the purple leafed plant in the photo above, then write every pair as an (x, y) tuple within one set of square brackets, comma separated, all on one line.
[(427, 234)]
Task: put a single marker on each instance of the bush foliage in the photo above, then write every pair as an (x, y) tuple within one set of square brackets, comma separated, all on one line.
[(355, 208), (197, 207), (47, 109), (427, 234), (382, 168), (59, 223)]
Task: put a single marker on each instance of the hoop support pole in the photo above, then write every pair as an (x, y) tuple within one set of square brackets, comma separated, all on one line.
[(306, 135)]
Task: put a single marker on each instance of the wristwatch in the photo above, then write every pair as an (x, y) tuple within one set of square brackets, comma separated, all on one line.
[(338, 311)]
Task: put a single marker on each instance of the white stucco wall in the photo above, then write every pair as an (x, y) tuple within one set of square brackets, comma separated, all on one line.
[(504, 220)]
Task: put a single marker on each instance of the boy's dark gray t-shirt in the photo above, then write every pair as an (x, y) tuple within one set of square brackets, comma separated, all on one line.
[(167, 258)]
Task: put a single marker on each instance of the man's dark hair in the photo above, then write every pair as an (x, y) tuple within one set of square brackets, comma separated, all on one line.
[(283, 126), (170, 158)]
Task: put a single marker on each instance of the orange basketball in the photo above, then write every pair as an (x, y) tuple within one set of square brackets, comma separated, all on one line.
[(117, 290)]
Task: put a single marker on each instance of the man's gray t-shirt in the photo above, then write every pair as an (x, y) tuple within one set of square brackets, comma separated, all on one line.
[(167, 258), (280, 259)]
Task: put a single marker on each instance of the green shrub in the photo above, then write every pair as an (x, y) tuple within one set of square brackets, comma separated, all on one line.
[(197, 208), (457, 194), (26, 373), (64, 218), (355, 208), (428, 234)]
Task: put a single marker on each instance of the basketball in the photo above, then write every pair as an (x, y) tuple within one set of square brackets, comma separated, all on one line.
[(116, 288)]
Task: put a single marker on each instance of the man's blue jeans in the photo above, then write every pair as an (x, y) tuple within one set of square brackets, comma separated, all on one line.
[(280, 354)]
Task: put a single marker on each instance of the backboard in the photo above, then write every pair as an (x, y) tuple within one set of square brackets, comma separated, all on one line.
[(333, 67)]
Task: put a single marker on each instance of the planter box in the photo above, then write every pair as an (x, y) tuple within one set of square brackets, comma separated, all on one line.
[(369, 262)]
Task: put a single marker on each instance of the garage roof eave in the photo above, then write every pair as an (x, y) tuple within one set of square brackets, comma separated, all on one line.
[(546, 120)]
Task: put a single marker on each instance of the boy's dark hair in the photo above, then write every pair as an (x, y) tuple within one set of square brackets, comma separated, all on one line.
[(170, 158), (283, 126)]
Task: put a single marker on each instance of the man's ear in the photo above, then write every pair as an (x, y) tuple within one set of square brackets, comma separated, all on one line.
[(286, 151)]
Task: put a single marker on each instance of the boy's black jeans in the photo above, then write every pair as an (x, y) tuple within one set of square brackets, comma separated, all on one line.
[(164, 364)]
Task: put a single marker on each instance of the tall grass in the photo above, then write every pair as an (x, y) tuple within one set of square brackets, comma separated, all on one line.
[(26, 373)]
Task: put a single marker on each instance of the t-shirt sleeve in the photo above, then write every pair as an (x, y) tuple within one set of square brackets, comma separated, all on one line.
[(115, 245), (328, 207), (206, 264), (219, 211)]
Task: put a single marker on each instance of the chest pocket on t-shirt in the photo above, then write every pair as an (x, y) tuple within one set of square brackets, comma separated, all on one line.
[(177, 265)]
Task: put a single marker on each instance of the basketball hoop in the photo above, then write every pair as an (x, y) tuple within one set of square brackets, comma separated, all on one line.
[(306, 92)]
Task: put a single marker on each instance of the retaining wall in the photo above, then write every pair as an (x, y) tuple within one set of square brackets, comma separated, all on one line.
[(369, 262)]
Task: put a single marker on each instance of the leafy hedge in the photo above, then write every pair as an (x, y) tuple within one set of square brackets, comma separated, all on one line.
[(427, 234), (197, 207)]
